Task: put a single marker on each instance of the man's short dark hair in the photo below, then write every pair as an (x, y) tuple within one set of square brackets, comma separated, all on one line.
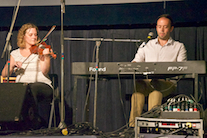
[(168, 17)]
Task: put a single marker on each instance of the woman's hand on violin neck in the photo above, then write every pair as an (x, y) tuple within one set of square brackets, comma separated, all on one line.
[(45, 55), (46, 51)]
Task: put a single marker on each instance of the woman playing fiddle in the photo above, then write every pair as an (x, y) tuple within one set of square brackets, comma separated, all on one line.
[(31, 68)]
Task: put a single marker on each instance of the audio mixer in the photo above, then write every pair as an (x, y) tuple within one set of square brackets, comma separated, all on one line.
[(168, 128)]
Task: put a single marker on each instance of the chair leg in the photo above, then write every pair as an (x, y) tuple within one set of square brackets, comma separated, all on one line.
[(52, 113), (55, 98), (54, 118)]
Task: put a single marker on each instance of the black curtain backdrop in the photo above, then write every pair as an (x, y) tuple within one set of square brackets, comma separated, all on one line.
[(111, 114), (183, 12)]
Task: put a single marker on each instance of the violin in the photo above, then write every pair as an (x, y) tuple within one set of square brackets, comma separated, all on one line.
[(38, 49)]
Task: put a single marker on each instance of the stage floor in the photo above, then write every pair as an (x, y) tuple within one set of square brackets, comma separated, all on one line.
[(51, 136), (58, 133), (93, 136)]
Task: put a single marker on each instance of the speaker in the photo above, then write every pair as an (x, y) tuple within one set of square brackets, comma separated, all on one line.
[(17, 105)]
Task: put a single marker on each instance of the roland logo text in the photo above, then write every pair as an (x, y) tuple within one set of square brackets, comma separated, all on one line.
[(99, 69)]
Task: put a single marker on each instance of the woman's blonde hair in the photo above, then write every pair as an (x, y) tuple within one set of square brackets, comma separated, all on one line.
[(22, 32)]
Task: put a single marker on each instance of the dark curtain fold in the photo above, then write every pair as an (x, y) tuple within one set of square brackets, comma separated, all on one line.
[(201, 55), (111, 113)]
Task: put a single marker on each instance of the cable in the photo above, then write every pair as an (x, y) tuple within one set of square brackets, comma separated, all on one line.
[(116, 130), (172, 84), (155, 111), (134, 81), (122, 103), (201, 91), (89, 87), (170, 133)]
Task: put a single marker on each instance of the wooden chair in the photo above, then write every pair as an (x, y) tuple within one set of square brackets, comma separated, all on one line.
[(11, 79)]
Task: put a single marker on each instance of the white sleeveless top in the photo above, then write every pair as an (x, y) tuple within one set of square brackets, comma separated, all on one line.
[(32, 72)]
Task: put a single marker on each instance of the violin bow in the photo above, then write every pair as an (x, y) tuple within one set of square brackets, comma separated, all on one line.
[(50, 31)]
